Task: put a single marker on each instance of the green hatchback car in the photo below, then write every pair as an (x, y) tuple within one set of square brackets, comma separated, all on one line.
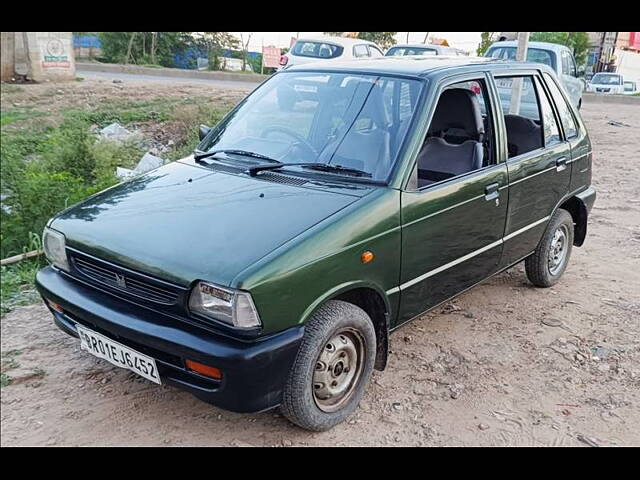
[(334, 204)]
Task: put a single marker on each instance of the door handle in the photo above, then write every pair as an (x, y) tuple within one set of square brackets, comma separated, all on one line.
[(561, 164), (492, 191)]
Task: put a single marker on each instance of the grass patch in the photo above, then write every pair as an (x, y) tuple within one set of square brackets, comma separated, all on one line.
[(9, 88), (5, 380), (8, 117), (17, 284)]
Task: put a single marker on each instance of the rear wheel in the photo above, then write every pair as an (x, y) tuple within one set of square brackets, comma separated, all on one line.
[(332, 368), (549, 261)]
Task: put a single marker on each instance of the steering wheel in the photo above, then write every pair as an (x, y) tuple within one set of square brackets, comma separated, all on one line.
[(301, 141)]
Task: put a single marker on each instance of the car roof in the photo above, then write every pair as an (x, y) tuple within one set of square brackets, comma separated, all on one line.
[(410, 65), (540, 45), (342, 41)]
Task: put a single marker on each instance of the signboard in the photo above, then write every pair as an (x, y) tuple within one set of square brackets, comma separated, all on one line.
[(271, 57), (54, 50)]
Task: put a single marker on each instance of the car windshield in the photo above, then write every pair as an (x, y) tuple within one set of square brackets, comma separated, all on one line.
[(398, 51), (346, 120), (304, 48), (535, 55), (606, 79)]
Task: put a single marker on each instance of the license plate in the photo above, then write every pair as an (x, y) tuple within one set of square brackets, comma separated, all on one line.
[(118, 354)]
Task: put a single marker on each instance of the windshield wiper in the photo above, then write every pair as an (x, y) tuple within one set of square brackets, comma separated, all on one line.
[(323, 167), (202, 155)]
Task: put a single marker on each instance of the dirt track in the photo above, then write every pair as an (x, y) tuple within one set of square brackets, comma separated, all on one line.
[(504, 364)]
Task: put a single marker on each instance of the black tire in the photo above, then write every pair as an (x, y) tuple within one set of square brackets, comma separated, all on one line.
[(539, 265), (300, 403)]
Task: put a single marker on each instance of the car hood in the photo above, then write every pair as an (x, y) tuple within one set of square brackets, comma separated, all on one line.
[(183, 222)]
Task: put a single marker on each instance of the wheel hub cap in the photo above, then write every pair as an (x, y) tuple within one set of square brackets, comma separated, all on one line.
[(558, 250), (337, 370)]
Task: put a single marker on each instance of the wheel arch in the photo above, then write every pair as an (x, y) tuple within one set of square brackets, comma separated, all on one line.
[(373, 301), (578, 211)]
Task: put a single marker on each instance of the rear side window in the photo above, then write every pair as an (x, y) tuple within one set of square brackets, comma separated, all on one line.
[(522, 117), (375, 52), (316, 49), (360, 51), (566, 117), (549, 123)]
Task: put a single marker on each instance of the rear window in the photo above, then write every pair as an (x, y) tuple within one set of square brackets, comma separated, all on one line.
[(607, 79), (535, 55), (316, 49), (399, 51)]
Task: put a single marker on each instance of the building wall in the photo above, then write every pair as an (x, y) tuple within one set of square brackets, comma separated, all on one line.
[(40, 56)]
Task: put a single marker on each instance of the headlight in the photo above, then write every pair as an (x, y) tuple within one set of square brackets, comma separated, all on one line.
[(54, 244), (231, 306)]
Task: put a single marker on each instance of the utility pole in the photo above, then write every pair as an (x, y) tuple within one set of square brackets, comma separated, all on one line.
[(516, 89), (425, 37), (407, 37)]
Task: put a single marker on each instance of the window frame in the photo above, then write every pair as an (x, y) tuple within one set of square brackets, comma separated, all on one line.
[(483, 76)]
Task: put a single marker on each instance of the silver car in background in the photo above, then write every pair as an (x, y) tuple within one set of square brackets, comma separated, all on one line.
[(420, 49), (606, 83), (558, 57)]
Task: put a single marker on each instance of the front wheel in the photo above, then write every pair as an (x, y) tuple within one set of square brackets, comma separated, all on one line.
[(332, 368), (549, 261)]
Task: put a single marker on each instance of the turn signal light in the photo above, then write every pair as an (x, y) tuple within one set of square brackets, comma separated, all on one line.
[(55, 306), (202, 369), (366, 257)]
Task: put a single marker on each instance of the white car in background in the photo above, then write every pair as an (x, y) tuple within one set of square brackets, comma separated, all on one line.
[(420, 49), (558, 57), (630, 88), (322, 49), (606, 83)]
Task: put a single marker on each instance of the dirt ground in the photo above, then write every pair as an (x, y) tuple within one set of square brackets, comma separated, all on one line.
[(504, 364)]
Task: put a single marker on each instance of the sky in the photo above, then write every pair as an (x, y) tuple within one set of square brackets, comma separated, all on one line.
[(467, 41)]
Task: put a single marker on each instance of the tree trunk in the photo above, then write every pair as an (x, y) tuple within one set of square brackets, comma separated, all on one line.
[(154, 36), (130, 47)]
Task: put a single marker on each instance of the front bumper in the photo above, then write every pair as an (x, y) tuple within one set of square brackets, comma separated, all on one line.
[(254, 371)]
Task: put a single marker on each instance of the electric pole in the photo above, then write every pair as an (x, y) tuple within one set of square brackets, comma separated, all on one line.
[(516, 89)]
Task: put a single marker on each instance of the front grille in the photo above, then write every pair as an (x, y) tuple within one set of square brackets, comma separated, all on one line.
[(123, 280)]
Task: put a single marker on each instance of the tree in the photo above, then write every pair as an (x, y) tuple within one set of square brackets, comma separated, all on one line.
[(486, 39), (578, 42), (131, 47), (384, 39), (215, 43), (245, 49)]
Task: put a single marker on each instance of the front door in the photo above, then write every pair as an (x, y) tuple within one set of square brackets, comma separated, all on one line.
[(452, 223)]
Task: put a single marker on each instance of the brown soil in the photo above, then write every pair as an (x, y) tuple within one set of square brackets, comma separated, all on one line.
[(504, 364)]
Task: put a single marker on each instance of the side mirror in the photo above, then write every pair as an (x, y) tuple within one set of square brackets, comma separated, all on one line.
[(203, 130), (580, 73)]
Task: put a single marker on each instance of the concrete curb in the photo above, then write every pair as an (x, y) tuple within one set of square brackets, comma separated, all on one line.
[(170, 72), (620, 99)]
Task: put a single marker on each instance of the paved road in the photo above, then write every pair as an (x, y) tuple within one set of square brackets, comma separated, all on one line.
[(134, 77)]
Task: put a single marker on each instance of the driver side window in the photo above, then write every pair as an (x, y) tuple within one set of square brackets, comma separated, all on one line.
[(460, 137)]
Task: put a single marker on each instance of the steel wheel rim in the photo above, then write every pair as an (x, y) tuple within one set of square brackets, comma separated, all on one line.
[(558, 250), (338, 369)]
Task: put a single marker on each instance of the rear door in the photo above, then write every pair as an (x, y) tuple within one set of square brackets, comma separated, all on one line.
[(538, 162)]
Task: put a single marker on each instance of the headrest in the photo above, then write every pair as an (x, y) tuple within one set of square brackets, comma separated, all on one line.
[(458, 108)]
